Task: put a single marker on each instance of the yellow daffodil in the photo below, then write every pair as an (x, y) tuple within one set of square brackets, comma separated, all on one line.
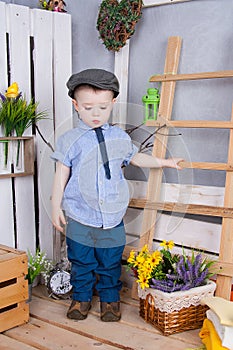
[(12, 91), (167, 244)]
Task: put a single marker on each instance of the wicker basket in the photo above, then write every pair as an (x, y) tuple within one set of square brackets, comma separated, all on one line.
[(175, 312)]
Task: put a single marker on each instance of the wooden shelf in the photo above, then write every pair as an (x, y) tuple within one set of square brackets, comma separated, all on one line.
[(28, 157)]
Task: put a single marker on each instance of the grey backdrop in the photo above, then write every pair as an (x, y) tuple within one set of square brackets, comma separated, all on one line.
[(206, 27)]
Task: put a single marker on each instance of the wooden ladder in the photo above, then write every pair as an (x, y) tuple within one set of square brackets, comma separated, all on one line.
[(151, 204)]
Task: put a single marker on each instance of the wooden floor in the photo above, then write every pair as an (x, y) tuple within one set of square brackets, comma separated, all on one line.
[(49, 328)]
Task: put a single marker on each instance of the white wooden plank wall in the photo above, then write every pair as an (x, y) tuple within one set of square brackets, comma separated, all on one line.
[(51, 36)]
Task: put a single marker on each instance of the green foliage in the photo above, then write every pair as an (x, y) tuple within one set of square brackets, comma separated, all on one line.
[(38, 264), (18, 115), (116, 21)]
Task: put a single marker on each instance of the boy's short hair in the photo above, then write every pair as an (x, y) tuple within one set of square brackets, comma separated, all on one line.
[(98, 78)]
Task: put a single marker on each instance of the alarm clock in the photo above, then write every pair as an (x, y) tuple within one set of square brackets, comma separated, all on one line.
[(59, 286)]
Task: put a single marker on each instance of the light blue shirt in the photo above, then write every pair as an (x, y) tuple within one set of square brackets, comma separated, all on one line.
[(89, 197)]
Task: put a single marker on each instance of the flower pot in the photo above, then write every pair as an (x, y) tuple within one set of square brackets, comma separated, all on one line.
[(175, 312), (16, 156)]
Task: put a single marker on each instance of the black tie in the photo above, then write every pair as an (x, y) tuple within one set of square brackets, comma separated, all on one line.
[(103, 151)]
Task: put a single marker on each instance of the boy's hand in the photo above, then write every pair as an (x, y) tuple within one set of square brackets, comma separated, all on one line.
[(58, 219), (174, 163)]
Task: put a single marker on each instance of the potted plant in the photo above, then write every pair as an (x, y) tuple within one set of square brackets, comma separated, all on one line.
[(171, 287), (38, 264), (17, 115)]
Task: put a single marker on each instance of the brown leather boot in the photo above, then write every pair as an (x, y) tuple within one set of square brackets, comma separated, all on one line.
[(110, 312), (78, 310)]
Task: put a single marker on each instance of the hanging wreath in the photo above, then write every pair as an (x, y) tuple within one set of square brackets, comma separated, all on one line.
[(116, 21)]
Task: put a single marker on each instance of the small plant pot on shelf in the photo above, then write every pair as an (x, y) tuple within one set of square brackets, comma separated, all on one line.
[(16, 156), (175, 312)]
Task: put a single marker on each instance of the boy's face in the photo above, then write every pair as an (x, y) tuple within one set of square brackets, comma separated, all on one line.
[(94, 106)]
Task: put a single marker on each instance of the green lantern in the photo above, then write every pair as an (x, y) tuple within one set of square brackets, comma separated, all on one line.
[(151, 102)]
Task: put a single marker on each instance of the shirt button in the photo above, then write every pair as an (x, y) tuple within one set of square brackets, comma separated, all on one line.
[(101, 201)]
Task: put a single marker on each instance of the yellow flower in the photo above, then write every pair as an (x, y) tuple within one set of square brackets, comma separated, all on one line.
[(144, 249), (131, 258), (12, 91), (143, 281), (140, 259), (155, 258), (167, 244), (146, 269)]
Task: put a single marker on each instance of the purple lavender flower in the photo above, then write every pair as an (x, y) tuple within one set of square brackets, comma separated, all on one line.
[(172, 276), (201, 279), (2, 97), (186, 286), (197, 265), (18, 97)]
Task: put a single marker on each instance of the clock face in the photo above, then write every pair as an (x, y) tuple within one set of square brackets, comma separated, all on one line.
[(60, 282)]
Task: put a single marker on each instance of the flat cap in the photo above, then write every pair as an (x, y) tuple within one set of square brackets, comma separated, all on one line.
[(99, 78)]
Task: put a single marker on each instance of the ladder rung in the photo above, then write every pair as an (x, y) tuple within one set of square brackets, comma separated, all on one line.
[(192, 124), (193, 76), (207, 166), (195, 209), (224, 268)]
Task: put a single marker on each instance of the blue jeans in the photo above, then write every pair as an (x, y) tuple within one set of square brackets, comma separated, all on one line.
[(89, 261)]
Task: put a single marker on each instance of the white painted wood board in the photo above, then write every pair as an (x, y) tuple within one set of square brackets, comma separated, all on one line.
[(3, 56), (6, 202), (19, 32), (121, 72), (62, 71), (190, 194), (62, 103), (43, 72)]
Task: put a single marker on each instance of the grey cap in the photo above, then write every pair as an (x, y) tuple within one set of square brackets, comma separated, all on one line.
[(99, 78)]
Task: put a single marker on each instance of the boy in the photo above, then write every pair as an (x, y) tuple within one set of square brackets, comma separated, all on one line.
[(94, 194)]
